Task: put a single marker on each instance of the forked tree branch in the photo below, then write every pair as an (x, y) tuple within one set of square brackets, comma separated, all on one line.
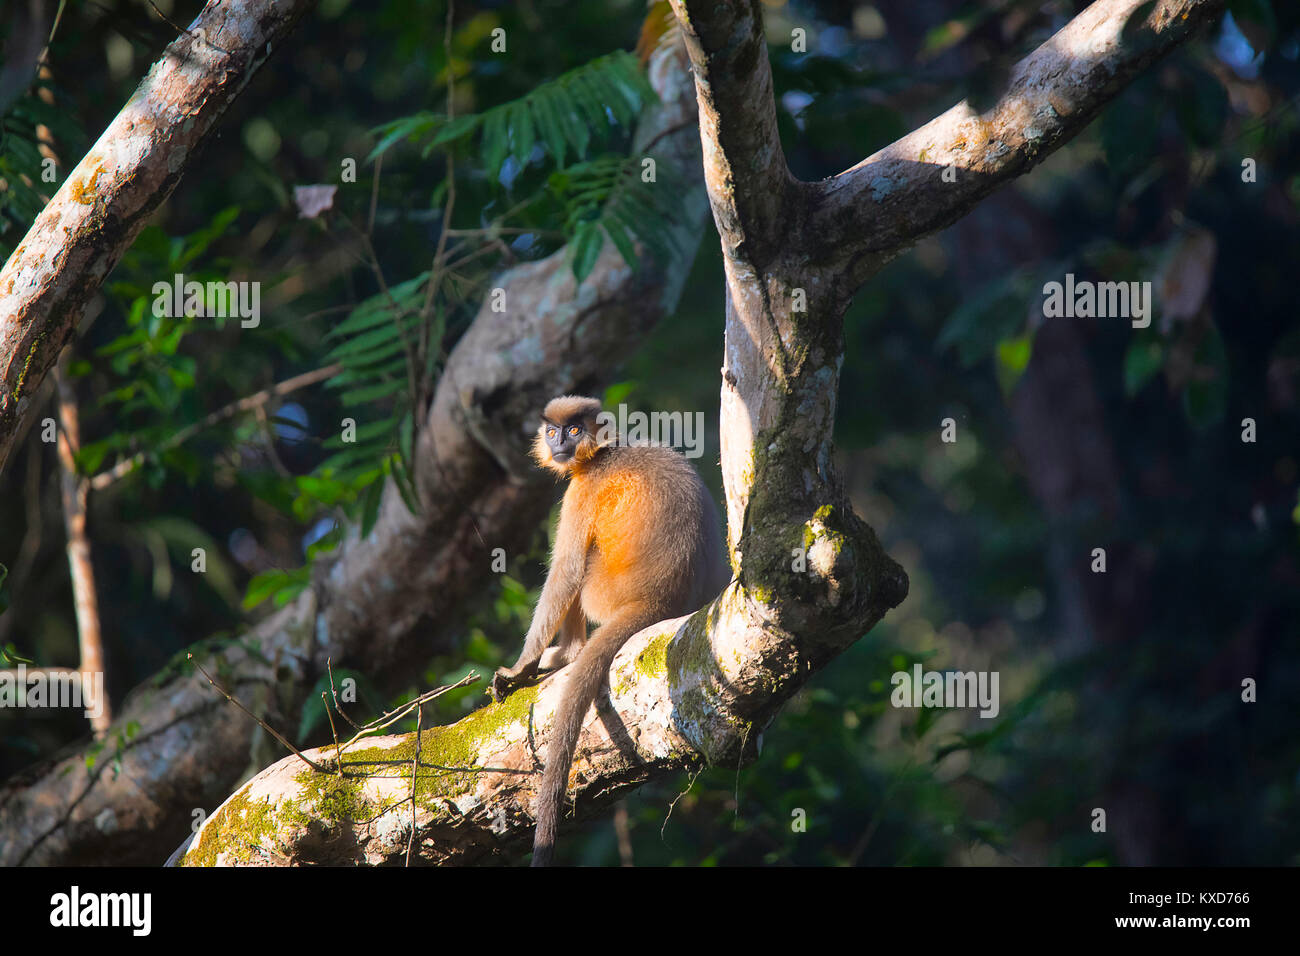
[(878, 208)]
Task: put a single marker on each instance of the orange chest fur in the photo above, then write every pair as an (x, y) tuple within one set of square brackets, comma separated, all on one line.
[(617, 508)]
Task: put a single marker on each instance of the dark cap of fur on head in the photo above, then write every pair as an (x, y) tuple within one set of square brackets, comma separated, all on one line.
[(567, 408)]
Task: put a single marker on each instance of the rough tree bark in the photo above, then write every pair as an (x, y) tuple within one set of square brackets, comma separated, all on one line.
[(386, 601), (702, 688)]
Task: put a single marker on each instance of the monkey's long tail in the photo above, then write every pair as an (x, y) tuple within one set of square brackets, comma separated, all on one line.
[(582, 685)]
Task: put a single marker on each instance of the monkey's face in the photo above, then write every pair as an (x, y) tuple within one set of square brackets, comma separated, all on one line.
[(563, 446), (569, 436), (564, 440)]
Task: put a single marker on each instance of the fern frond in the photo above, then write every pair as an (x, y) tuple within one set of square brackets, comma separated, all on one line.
[(607, 198), (371, 345), (564, 116)]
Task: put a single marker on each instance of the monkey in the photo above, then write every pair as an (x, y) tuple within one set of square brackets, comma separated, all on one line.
[(638, 542)]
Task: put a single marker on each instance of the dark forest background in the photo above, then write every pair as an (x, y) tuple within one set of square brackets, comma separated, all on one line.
[(1120, 690)]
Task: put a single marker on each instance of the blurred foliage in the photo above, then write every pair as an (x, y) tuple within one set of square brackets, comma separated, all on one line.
[(1119, 690)]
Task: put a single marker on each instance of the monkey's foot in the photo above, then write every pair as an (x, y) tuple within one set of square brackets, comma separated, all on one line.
[(506, 681)]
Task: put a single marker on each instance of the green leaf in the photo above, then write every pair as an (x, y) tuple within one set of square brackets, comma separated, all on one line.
[(90, 456), (348, 457), (123, 342), (588, 99), (320, 489), (1012, 359), (367, 315), (366, 364), (406, 437), (374, 494), (623, 217), (458, 128), (575, 130), (548, 125), (373, 392), (355, 375), (1143, 359), (377, 309), (325, 543), (586, 246), (9, 653), (496, 144), (275, 583), (288, 593), (364, 433), (413, 127), (405, 486), (522, 134), (385, 335), (617, 233), (196, 243), (617, 393), (566, 114)]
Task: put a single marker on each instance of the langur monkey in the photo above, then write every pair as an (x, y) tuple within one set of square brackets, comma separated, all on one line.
[(638, 542)]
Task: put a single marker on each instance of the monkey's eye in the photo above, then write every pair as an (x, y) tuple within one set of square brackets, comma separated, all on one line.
[(573, 429), (550, 432)]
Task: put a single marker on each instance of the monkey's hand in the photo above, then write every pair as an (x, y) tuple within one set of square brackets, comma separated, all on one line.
[(508, 679)]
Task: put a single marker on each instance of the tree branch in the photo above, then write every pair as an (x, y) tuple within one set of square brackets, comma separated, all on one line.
[(744, 166), (870, 213), (101, 206), (73, 491), (246, 404)]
